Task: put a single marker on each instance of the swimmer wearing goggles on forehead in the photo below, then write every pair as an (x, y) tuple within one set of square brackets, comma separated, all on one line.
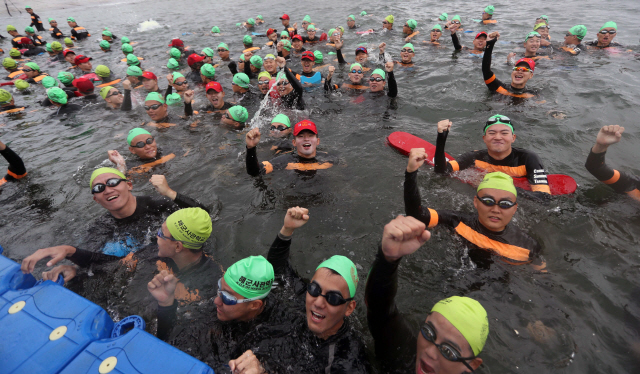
[(519, 77)]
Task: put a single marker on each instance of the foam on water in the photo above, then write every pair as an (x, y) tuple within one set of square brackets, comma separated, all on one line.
[(148, 25)]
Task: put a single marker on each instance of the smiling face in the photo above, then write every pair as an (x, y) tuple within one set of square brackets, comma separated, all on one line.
[(158, 113), (263, 84), (406, 55), (297, 44), (224, 54), (284, 87), (479, 43), (435, 35), (270, 66), (520, 78), (307, 66), (495, 218), (499, 138), (149, 84), (114, 97), (215, 98), (113, 198), (532, 45), (605, 39), (181, 84), (429, 359), (324, 319), (149, 151), (362, 57), (306, 143), (356, 78), (311, 33), (85, 66), (543, 31), (376, 86)]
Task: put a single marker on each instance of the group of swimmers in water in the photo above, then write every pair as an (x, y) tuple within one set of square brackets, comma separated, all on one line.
[(244, 296)]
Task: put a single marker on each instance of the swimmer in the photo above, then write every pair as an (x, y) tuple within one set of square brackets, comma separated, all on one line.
[(284, 49), (351, 22), (207, 74), (105, 46), (479, 42), (126, 212), (235, 117), (292, 30), (281, 130), (141, 144), (522, 72), (454, 332), (195, 62), (605, 36), (65, 78), (247, 41), (223, 52), (498, 135), (621, 182), (69, 43), (531, 47), (127, 49), (308, 62), (11, 66), (133, 60), (31, 50), (157, 109), (115, 99), (253, 67), (134, 75), (8, 104), (297, 44), (543, 29), (269, 64), (83, 63), (35, 19), (488, 229), (541, 19), (240, 87), (178, 82), (32, 73), (15, 36), (179, 44), (272, 35), (306, 22), (69, 56), (387, 23), (573, 40), (356, 79), (409, 29), (59, 99), (305, 158), (249, 25), (406, 55), (16, 169), (311, 37), (77, 32), (264, 78), (487, 15), (378, 79), (85, 89), (150, 82), (288, 87), (435, 34), (54, 30), (259, 20), (215, 95), (35, 39)]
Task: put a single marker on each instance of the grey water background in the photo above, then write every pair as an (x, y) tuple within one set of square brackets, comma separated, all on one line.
[(588, 302)]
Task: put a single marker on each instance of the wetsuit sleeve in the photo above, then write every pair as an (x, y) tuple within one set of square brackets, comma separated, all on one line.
[(168, 92), (233, 67), (16, 169), (184, 201), (412, 204), (327, 84), (247, 70), (456, 42), (489, 77), (620, 182), (167, 316), (340, 57), (389, 329), (74, 34), (278, 255), (536, 175), (442, 166), (188, 109), (126, 102), (253, 166), (393, 86), (84, 258), (295, 83)]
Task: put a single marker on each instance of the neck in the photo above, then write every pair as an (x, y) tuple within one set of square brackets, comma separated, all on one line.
[(603, 44), (329, 333), (126, 210), (186, 258), (499, 155), (529, 54), (518, 86), (307, 157)]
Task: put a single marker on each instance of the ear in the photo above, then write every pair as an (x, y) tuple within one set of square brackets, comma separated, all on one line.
[(180, 247), (475, 363), (514, 137), (293, 141), (475, 202), (129, 185), (351, 307), (318, 140), (256, 305)]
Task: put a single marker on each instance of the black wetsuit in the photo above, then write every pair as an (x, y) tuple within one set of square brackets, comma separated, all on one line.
[(66, 109), (14, 74), (15, 42), (33, 51), (315, 39), (57, 58), (391, 80), (56, 33), (16, 169), (621, 182), (294, 99), (194, 77), (494, 84), (594, 44), (37, 41), (188, 108), (11, 109), (287, 57), (519, 163), (289, 161), (512, 244), (35, 21), (79, 33)]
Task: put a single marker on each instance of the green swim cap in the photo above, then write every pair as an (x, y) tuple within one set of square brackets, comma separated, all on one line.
[(107, 33), (50, 19), (96, 173), (134, 131), (247, 40), (68, 41), (208, 52), (609, 24), (283, 119), (57, 95), (208, 71), (27, 7), (125, 40), (250, 277), (106, 45), (215, 30), (65, 77), (33, 66), (102, 71), (544, 17), (48, 47), (354, 66), (256, 61), (251, 21), (132, 60), (307, 18), (443, 17), (264, 74), (21, 84), (15, 53), (175, 53), (71, 19), (176, 75), (48, 82), (579, 30), (531, 35), (437, 27), (341, 29), (173, 63), (238, 24), (352, 17), (319, 57), (5, 97), (239, 113), (154, 96), (363, 13), (456, 18), (134, 71), (499, 181), (127, 48), (286, 44), (346, 268), (539, 25), (29, 29), (498, 117), (331, 32), (469, 317), (269, 56), (380, 72), (11, 28), (389, 18), (409, 45), (223, 45), (489, 9), (173, 99), (260, 17), (310, 27), (412, 23), (284, 33), (9, 63), (191, 226), (104, 91), (281, 76), (56, 46)]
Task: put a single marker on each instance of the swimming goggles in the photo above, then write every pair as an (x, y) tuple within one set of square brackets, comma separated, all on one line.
[(376, 79), (149, 140), (334, 298), (100, 187), (448, 352), (490, 201), (229, 299)]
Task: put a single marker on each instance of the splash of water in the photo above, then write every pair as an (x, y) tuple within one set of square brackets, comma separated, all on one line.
[(148, 25), (257, 120)]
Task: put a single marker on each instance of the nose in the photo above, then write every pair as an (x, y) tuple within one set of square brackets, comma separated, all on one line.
[(218, 301), (320, 302)]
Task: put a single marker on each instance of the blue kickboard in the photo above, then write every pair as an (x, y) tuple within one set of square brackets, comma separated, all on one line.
[(314, 79), (11, 278), (132, 353), (28, 342)]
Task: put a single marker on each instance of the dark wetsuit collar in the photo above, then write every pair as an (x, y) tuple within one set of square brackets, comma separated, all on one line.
[(486, 232)]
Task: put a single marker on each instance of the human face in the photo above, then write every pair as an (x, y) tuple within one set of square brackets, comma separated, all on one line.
[(495, 218), (263, 84), (181, 84), (571, 39), (54, 23), (362, 57), (376, 86), (520, 78), (351, 23), (297, 44), (112, 198), (285, 22), (114, 97), (215, 98), (532, 45), (486, 16), (166, 247), (270, 66), (273, 37), (605, 39), (279, 130), (133, 79), (156, 114), (227, 119), (30, 72), (543, 31), (406, 54), (406, 29), (149, 151), (324, 319), (306, 143), (305, 24), (387, 25), (85, 66), (284, 87), (30, 11), (428, 357), (311, 33), (72, 24), (69, 58), (149, 84), (480, 43), (226, 313), (357, 76), (240, 65), (207, 60), (499, 138), (335, 36), (224, 54), (435, 35), (307, 66)]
